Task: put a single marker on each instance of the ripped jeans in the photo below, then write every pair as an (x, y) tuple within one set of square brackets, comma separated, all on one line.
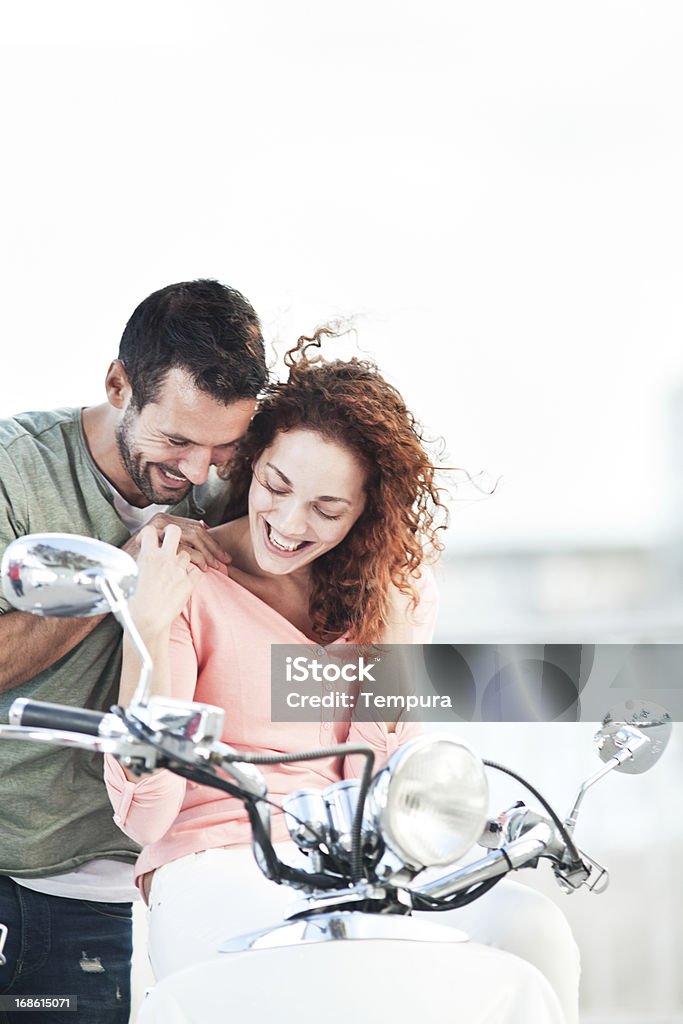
[(58, 946)]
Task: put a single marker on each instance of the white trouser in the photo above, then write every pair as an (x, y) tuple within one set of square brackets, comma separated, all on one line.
[(199, 901)]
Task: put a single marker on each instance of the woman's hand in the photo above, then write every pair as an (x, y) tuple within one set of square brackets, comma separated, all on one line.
[(166, 580)]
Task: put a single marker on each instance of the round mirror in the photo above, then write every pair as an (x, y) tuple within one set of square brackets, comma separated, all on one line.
[(62, 574), (634, 720)]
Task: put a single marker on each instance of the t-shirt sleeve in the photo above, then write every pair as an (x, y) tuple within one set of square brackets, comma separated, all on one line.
[(13, 510)]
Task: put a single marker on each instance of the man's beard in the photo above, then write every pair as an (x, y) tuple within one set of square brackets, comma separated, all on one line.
[(139, 470)]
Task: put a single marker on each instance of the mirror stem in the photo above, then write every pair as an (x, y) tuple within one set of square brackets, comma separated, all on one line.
[(119, 607), (633, 740)]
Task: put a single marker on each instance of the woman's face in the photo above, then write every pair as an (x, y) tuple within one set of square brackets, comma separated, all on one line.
[(306, 493)]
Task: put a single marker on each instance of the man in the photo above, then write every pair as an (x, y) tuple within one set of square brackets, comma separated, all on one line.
[(179, 397)]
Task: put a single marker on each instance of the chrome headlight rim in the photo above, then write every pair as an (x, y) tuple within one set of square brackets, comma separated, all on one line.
[(385, 792)]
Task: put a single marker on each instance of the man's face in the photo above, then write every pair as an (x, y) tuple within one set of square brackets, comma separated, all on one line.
[(169, 445)]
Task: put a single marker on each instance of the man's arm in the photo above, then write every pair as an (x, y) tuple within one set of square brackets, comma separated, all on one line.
[(31, 643)]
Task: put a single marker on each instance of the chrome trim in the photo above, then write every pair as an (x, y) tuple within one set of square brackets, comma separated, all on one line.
[(199, 724), (537, 841), (343, 926), (332, 899)]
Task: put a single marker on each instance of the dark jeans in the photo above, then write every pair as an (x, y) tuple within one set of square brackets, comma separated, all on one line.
[(58, 946)]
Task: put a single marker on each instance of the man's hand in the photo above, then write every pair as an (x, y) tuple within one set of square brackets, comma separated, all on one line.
[(195, 539)]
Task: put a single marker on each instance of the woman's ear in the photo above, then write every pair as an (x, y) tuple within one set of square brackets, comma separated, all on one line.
[(117, 385)]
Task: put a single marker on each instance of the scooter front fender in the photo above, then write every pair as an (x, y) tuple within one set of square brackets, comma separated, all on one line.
[(338, 982)]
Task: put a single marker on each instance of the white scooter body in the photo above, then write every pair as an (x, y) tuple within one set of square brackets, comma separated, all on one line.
[(342, 980)]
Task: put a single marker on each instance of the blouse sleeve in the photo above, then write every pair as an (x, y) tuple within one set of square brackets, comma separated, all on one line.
[(145, 810)]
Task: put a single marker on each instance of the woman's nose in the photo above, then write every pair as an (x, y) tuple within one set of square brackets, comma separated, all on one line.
[(292, 518)]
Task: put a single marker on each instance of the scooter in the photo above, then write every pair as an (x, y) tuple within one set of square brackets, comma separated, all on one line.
[(377, 849)]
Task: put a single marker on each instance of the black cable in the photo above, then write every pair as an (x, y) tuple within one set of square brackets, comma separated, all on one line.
[(357, 827), (340, 749), (278, 871), (142, 731), (205, 775), (462, 899), (569, 842)]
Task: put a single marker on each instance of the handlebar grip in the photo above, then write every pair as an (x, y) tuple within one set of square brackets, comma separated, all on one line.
[(40, 714)]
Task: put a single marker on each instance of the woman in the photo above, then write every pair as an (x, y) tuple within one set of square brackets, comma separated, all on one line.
[(341, 512)]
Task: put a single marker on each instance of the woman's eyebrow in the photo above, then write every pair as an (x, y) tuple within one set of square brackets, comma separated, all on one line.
[(321, 497), (279, 472), (329, 497)]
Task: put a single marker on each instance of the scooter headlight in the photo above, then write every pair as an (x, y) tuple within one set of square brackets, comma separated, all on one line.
[(430, 801)]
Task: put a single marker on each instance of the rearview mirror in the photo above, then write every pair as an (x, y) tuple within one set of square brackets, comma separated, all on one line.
[(625, 728), (64, 575)]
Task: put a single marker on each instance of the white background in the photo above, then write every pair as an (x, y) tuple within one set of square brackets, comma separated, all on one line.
[(492, 191)]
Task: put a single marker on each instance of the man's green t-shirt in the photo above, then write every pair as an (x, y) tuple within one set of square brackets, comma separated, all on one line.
[(54, 810)]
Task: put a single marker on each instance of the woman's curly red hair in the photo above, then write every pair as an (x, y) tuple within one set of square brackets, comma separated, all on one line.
[(350, 403)]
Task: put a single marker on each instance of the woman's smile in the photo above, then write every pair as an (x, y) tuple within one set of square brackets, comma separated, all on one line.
[(306, 494), (281, 544)]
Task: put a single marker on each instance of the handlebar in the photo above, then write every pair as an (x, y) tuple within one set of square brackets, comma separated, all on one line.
[(41, 715), (538, 841), (529, 835)]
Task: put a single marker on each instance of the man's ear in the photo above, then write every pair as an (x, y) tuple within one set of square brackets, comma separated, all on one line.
[(117, 385)]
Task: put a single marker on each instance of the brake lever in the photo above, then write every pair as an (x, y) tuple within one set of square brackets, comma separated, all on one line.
[(572, 877)]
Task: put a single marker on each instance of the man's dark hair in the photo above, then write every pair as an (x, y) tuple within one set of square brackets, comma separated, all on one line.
[(202, 327)]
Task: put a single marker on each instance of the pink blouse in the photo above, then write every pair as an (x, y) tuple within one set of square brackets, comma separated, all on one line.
[(220, 654)]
